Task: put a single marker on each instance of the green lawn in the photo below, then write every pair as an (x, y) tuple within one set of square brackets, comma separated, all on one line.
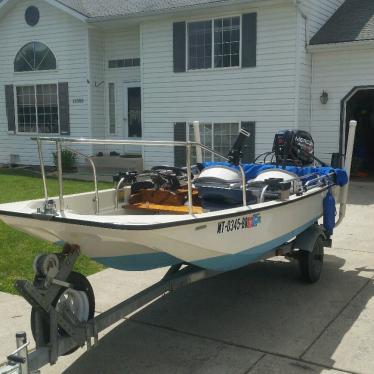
[(17, 250)]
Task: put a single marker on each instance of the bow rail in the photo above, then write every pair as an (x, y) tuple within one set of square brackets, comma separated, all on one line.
[(64, 142)]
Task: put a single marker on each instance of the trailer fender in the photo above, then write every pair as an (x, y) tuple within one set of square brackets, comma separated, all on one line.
[(306, 240)]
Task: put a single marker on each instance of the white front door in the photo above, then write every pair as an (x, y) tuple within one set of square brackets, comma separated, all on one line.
[(132, 118)]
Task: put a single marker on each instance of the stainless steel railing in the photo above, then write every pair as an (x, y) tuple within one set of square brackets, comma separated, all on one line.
[(93, 172), (61, 142)]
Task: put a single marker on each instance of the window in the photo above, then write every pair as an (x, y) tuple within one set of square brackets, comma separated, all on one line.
[(37, 109), (218, 136), (226, 42), (124, 63), (134, 112), (214, 43), (32, 16), (200, 45), (34, 56), (112, 108)]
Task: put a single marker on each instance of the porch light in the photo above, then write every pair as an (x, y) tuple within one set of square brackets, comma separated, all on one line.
[(324, 98)]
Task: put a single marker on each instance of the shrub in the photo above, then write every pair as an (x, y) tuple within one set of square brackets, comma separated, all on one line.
[(68, 160)]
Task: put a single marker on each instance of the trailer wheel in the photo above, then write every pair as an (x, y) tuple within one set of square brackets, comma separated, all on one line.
[(311, 263), (80, 300)]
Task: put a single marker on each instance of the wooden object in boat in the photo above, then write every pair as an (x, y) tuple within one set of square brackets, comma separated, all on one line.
[(162, 208), (163, 197)]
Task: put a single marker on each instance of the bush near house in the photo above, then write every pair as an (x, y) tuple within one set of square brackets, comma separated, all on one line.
[(68, 160), (18, 250)]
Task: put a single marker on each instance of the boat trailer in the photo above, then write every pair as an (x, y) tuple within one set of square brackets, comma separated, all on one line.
[(57, 329)]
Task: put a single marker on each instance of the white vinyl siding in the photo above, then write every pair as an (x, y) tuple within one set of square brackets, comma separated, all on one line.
[(316, 13), (121, 44), (96, 61), (275, 94), (67, 38), (264, 94), (105, 46), (337, 73)]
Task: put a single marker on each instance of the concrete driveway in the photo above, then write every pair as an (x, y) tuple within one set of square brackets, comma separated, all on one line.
[(260, 320)]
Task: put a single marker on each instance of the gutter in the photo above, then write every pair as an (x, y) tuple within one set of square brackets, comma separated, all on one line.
[(170, 11), (341, 45)]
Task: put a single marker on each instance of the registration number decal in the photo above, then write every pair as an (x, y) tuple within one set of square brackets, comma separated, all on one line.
[(239, 224)]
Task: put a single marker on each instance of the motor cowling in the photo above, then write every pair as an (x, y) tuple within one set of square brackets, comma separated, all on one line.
[(294, 147)]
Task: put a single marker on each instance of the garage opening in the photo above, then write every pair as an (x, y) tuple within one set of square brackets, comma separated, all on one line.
[(360, 107)]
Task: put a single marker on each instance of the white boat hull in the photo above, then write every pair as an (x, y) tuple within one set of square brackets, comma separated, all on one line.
[(219, 241)]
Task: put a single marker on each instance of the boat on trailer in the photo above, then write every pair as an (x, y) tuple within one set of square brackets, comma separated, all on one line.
[(142, 238), (151, 223), (199, 220)]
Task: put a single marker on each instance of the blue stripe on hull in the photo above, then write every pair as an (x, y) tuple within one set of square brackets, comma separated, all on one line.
[(249, 256), (221, 263), (141, 262)]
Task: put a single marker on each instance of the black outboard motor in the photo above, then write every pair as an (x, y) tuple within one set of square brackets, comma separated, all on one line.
[(294, 147)]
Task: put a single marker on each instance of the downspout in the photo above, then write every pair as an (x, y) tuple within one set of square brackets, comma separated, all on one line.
[(89, 87), (300, 12), (298, 8)]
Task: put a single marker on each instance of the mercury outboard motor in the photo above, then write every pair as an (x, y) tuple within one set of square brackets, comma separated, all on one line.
[(294, 147)]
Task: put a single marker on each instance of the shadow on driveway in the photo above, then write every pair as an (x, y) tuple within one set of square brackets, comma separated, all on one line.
[(361, 193), (238, 321)]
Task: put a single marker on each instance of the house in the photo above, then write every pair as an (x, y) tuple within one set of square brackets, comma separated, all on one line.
[(149, 68)]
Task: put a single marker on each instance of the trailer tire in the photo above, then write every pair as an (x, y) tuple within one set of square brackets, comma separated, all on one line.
[(81, 284), (311, 263)]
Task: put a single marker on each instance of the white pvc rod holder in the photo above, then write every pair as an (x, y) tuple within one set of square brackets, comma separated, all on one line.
[(347, 165), (196, 130)]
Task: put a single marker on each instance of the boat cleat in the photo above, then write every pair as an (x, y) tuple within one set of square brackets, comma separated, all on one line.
[(49, 208)]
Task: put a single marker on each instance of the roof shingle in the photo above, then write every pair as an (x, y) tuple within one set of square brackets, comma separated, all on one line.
[(108, 8), (353, 21)]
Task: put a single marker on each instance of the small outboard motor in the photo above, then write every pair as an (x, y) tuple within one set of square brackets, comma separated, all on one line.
[(293, 147)]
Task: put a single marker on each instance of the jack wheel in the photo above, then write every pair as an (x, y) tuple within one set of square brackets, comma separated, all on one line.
[(80, 299), (311, 263)]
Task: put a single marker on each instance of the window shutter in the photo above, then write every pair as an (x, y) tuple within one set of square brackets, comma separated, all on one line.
[(10, 111), (179, 47), (249, 150), (181, 136), (249, 40), (63, 107)]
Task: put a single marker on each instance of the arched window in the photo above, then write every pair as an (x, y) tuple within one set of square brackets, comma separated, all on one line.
[(34, 56)]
